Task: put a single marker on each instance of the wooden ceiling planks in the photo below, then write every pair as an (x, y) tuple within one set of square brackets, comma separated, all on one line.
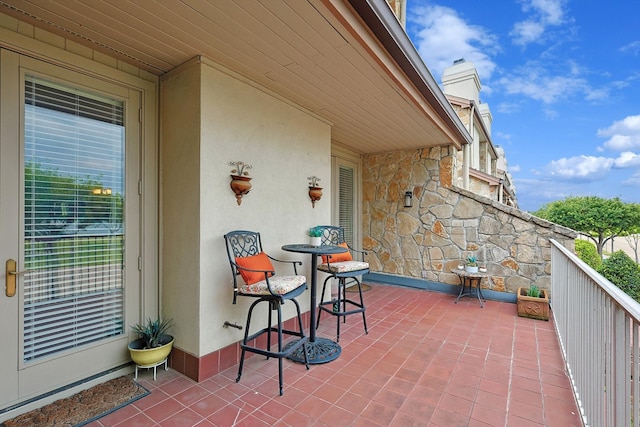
[(299, 49)]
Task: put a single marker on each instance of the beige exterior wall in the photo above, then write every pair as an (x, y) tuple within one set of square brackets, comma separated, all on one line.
[(211, 116)]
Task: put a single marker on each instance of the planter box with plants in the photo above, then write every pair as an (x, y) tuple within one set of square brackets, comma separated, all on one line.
[(153, 345), (533, 302)]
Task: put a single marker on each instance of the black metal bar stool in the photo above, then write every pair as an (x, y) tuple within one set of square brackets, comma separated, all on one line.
[(247, 259), (346, 270)]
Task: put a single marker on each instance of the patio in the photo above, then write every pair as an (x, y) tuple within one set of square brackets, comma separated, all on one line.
[(426, 361)]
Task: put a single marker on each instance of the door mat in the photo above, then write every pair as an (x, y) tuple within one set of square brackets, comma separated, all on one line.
[(354, 288), (84, 407)]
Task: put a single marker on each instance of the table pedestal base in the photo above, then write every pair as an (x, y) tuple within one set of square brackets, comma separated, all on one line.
[(470, 281), (322, 350)]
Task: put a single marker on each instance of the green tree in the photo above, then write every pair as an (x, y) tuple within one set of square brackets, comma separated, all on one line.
[(598, 219), (54, 201), (588, 253), (623, 272), (632, 235)]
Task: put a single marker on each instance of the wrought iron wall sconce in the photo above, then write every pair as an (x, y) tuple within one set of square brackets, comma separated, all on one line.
[(315, 192), (240, 180), (408, 199)]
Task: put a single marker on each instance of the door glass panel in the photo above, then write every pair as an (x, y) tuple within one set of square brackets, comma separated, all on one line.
[(74, 170)]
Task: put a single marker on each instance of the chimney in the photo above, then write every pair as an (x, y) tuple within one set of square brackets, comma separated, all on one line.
[(487, 117), (461, 79)]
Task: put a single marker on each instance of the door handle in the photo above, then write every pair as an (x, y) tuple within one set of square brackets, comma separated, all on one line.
[(11, 276)]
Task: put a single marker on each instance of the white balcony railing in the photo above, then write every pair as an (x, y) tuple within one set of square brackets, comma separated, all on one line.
[(598, 327)]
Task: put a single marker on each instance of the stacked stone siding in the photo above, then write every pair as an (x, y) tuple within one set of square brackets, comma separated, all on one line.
[(446, 224)]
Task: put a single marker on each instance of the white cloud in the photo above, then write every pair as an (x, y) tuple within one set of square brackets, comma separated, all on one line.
[(627, 81), (534, 193), (633, 180), (514, 168), (526, 31), (550, 10), (508, 108), (543, 13), (442, 36), (580, 168), (502, 135), (632, 48), (591, 94), (536, 83), (623, 134), (627, 159)]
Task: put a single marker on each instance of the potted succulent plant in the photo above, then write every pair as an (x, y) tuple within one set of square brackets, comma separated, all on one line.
[(533, 302), (315, 236), (472, 264), (153, 344)]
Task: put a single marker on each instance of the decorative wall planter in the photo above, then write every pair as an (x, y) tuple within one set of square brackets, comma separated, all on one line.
[(240, 181), (240, 185), (315, 193), (532, 307)]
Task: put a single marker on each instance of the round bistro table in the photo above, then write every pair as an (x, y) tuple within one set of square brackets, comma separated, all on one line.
[(470, 279), (319, 350)]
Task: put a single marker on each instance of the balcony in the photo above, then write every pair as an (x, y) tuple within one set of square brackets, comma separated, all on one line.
[(425, 361), (428, 361)]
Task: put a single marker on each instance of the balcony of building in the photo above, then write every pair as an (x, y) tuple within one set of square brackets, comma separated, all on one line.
[(429, 361)]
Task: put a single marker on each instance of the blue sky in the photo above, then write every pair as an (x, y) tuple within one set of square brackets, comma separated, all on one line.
[(562, 81)]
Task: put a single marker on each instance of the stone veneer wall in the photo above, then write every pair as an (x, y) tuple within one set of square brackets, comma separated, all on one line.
[(446, 224)]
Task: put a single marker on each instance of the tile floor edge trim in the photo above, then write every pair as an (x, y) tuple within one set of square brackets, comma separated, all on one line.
[(411, 282)]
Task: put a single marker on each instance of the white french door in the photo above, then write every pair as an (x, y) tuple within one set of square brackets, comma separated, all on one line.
[(69, 225)]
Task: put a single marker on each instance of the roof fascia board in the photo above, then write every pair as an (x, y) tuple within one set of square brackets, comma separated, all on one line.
[(490, 179), (379, 17), (477, 118)]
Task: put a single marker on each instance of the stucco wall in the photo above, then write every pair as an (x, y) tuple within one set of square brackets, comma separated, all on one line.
[(226, 118), (180, 188), (446, 224)]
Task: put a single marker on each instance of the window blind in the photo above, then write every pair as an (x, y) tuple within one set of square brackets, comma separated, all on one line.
[(345, 202), (73, 218)]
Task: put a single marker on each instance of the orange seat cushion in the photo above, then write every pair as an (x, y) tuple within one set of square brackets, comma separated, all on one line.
[(344, 256), (256, 262)]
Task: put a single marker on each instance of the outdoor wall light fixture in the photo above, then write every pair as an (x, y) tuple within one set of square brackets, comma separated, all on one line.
[(240, 179), (315, 192), (408, 199)]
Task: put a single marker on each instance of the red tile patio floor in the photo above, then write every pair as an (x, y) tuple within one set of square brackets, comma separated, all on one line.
[(425, 362)]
